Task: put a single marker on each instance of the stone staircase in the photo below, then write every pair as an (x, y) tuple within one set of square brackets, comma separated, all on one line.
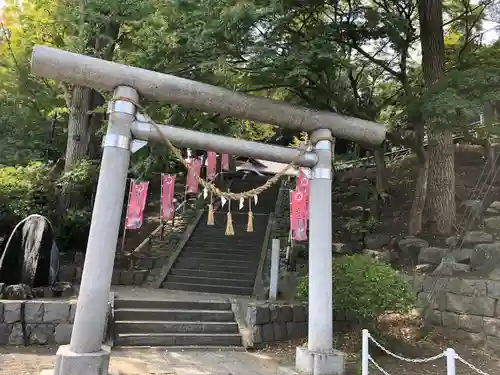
[(212, 262), (175, 323)]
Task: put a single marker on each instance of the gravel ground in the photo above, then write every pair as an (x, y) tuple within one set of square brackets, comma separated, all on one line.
[(403, 334), (31, 360)]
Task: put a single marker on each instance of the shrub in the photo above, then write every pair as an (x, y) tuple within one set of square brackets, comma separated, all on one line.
[(36, 188), (25, 190), (74, 230), (366, 288)]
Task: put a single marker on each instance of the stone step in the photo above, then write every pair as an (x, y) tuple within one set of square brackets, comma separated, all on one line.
[(225, 243), (224, 249), (136, 326), (186, 348), (177, 315), (194, 265), (178, 339), (201, 262), (259, 226), (210, 281), (171, 305), (220, 254), (216, 240), (226, 289), (213, 274)]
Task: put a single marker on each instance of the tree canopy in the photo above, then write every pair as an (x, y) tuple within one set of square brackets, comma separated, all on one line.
[(372, 59)]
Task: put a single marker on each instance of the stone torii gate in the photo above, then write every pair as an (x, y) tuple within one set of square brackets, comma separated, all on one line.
[(85, 355)]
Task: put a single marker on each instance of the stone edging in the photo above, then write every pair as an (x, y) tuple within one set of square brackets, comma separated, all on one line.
[(180, 245), (41, 322), (471, 307), (261, 323)]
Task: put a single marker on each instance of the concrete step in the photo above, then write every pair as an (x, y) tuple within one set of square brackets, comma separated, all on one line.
[(211, 239), (144, 326), (179, 315), (191, 261), (210, 281), (179, 339), (209, 254), (194, 265), (208, 288), (187, 348), (243, 247), (213, 274), (217, 235), (171, 305), (224, 249)]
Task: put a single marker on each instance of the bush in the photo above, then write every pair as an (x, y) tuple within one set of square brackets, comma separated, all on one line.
[(74, 230), (25, 190), (36, 188), (366, 288)]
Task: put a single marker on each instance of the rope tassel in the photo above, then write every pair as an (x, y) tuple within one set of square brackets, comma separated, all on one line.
[(229, 227), (250, 222), (210, 220), (250, 216)]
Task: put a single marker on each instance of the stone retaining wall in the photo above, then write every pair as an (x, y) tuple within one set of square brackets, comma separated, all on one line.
[(469, 306), (273, 322), (45, 322)]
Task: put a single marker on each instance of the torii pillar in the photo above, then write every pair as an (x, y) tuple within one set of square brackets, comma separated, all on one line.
[(85, 355)]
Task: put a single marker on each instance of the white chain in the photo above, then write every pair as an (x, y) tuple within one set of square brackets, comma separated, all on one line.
[(411, 360), (377, 366), (471, 366)]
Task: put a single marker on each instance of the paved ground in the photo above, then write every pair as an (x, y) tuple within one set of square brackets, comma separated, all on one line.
[(31, 360)]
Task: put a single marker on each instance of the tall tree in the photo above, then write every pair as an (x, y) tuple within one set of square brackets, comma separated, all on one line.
[(440, 203)]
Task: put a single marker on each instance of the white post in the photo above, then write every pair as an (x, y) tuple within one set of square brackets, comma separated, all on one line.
[(450, 361), (95, 286), (365, 352), (275, 268), (320, 328)]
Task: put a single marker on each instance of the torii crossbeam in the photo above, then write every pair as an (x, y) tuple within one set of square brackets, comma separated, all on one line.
[(84, 355)]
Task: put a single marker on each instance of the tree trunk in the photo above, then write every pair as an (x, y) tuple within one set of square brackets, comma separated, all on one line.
[(96, 122), (78, 127), (417, 207), (439, 211), (83, 124), (381, 170), (440, 205)]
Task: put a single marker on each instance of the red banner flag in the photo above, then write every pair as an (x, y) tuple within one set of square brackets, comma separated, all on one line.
[(303, 187), (211, 165), (193, 177), (298, 220), (167, 197), (136, 204), (224, 162)]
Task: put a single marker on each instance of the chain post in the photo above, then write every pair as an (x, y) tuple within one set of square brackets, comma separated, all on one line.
[(450, 361)]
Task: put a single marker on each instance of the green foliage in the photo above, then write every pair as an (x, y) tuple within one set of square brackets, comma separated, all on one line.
[(359, 226), (82, 178), (74, 226), (35, 189), (366, 288), (74, 230), (25, 190)]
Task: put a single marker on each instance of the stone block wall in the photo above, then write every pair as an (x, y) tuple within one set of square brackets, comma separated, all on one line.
[(470, 307), (133, 273), (273, 322), (36, 322)]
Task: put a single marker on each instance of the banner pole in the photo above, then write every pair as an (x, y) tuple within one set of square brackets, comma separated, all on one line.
[(126, 215), (161, 210)]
